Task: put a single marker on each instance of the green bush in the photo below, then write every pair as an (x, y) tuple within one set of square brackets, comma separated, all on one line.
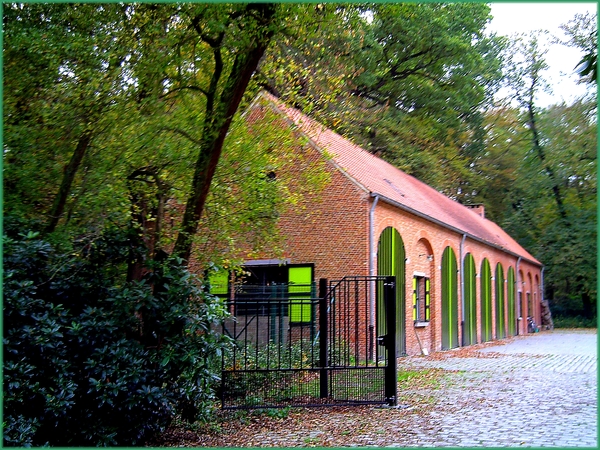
[(91, 359), (574, 322)]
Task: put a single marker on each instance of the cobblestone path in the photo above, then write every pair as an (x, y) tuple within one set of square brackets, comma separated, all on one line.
[(535, 391), (529, 391)]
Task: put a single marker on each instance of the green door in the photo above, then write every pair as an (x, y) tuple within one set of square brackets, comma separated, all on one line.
[(500, 323), (449, 300), (486, 301), (391, 262), (470, 312), (510, 294)]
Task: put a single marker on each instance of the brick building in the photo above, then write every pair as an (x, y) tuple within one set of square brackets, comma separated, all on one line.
[(461, 279)]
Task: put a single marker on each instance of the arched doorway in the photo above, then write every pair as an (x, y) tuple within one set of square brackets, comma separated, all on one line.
[(486, 301), (391, 258), (470, 301), (449, 300)]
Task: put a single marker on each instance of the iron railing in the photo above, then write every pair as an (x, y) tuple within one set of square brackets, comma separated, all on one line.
[(292, 348)]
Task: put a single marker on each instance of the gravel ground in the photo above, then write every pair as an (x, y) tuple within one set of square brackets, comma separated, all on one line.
[(529, 391)]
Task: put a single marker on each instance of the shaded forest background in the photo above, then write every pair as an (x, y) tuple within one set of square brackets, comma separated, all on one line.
[(113, 113)]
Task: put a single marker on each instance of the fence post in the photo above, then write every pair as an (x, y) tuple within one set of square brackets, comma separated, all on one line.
[(391, 370), (273, 306), (313, 312), (323, 339)]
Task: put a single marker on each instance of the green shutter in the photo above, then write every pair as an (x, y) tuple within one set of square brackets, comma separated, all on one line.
[(300, 290), (427, 298), (218, 282), (415, 297)]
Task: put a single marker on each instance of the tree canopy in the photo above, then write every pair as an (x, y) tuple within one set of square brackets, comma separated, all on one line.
[(114, 110)]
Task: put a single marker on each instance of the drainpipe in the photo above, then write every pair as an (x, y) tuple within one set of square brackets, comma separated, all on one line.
[(462, 285), (542, 298), (372, 256), (519, 286)]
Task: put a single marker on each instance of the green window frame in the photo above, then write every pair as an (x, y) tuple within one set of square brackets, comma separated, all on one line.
[(421, 299), (300, 292), (218, 282)]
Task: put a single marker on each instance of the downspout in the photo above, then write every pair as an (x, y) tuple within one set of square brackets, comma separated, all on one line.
[(549, 323), (372, 257), (542, 297), (462, 285), (519, 300)]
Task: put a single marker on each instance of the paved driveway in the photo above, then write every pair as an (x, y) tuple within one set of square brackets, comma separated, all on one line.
[(538, 390), (532, 391)]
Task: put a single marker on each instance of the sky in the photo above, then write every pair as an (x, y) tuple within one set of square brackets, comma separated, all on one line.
[(517, 17)]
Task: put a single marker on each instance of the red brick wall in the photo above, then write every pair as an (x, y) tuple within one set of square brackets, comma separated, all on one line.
[(331, 230), (329, 227), (333, 233), (420, 237)]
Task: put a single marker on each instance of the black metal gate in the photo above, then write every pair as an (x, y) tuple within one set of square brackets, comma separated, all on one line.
[(294, 348)]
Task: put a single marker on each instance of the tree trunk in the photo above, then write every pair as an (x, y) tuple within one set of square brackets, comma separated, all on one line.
[(70, 171), (217, 123), (148, 196), (547, 322), (588, 307), (542, 156)]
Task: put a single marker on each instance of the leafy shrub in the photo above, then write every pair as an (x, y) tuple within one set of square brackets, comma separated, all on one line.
[(574, 322), (295, 355), (91, 359)]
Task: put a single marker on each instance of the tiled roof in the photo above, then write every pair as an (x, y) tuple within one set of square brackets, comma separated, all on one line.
[(393, 185)]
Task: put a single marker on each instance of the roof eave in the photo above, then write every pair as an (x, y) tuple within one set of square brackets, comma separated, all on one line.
[(450, 227)]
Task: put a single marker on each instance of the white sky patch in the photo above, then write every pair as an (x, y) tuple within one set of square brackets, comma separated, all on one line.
[(513, 18)]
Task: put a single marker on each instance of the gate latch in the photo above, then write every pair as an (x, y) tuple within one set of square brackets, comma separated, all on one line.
[(382, 340)]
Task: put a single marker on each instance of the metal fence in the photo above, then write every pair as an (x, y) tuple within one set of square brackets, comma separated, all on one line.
[(295, 348)]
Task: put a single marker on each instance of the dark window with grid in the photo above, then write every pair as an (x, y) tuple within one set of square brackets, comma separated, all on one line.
[(421, 299)]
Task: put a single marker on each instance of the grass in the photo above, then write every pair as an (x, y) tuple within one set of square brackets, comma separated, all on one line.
[(415, 386), (426, 379), (274, 413)]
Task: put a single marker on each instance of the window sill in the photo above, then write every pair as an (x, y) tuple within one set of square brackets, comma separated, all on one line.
[(421, 324)]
